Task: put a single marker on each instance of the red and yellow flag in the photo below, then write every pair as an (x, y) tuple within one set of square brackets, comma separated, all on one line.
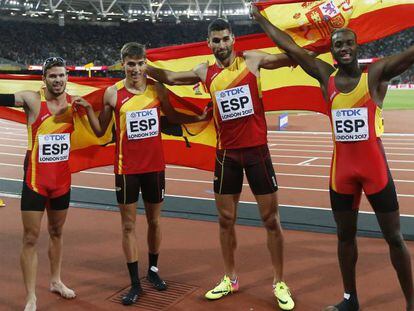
[(190, 145), (311, 22)]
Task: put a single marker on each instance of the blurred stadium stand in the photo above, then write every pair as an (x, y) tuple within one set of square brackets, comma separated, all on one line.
[(29, 43)]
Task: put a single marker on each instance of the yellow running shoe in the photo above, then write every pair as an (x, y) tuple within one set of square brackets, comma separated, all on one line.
[(283, 296), (224, 288)]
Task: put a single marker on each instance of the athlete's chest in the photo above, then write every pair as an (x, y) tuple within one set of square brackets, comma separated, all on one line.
[(347, 84)]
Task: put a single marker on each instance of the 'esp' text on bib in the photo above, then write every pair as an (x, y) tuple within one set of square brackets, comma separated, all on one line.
[(142, 123), (54, 147), (234, 103), (350, 124)]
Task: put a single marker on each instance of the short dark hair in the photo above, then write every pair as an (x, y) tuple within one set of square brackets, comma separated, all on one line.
[(53, 62), (133, 49), (341, 30), (218, 25)]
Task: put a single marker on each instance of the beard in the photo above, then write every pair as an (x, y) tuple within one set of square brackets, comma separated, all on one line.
[(52, 90), (221, 56)]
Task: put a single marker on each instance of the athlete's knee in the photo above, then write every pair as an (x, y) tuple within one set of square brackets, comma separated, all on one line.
[(55, 232), (347, 235), (30, 237), (226, 221), (128, 227), (153, 222), (271, 223), (394, 239)]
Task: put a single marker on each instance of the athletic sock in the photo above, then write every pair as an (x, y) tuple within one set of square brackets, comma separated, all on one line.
[(152, 260), (135, 289), (153, 277), (349, 303), (133, 273)]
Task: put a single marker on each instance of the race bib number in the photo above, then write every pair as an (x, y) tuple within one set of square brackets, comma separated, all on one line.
[(234, 103), (350, 124), (142, 123), (54, 148)]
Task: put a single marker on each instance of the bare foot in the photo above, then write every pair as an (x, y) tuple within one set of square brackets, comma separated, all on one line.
[(62, 290), (30, 305)]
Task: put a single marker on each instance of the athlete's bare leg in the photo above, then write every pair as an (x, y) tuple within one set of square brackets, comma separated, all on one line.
[(400, 256), (346, 223), (129, 239), (227, 208), (152, 212), (56, 220), (28, 257), (269, 212)]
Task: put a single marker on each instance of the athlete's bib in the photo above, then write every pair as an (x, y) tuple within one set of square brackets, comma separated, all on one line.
[(234, 103), (142, 123), (54, 147), (350, 124)]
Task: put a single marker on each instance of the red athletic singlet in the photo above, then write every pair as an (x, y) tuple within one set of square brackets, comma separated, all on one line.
[(238, 109), (138, 136), (46, 165), (358, 158)]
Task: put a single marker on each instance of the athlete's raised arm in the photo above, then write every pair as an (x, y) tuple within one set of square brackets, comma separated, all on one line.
[(387, 68), (316, 68), (169, 77)]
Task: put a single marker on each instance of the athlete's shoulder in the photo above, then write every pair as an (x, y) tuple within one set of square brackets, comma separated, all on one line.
[(202, 67), (113, 88), (32, 95), (110, 96), (29, 98)]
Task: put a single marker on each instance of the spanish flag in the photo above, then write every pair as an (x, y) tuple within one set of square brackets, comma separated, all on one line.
[(310, 23), (282, 89), (190, 145)]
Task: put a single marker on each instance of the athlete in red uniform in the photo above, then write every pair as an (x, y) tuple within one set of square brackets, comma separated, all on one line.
[(354, 99), (233, 82), (47, 176), (139, 162)]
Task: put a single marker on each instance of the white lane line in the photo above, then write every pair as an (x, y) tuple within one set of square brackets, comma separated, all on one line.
[(307, 161), (13, 139), (330, 146), (181, 167), (23, 134), (304, 135), (278, 174), (274, 164), (17, 196), (330, 133), (326, 176), (209, 182), (13, 154), (12, 123), (13, 165), (329, 142), (330, 151), (329, 158), (244, 184), (14, 146), (295, 156)]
